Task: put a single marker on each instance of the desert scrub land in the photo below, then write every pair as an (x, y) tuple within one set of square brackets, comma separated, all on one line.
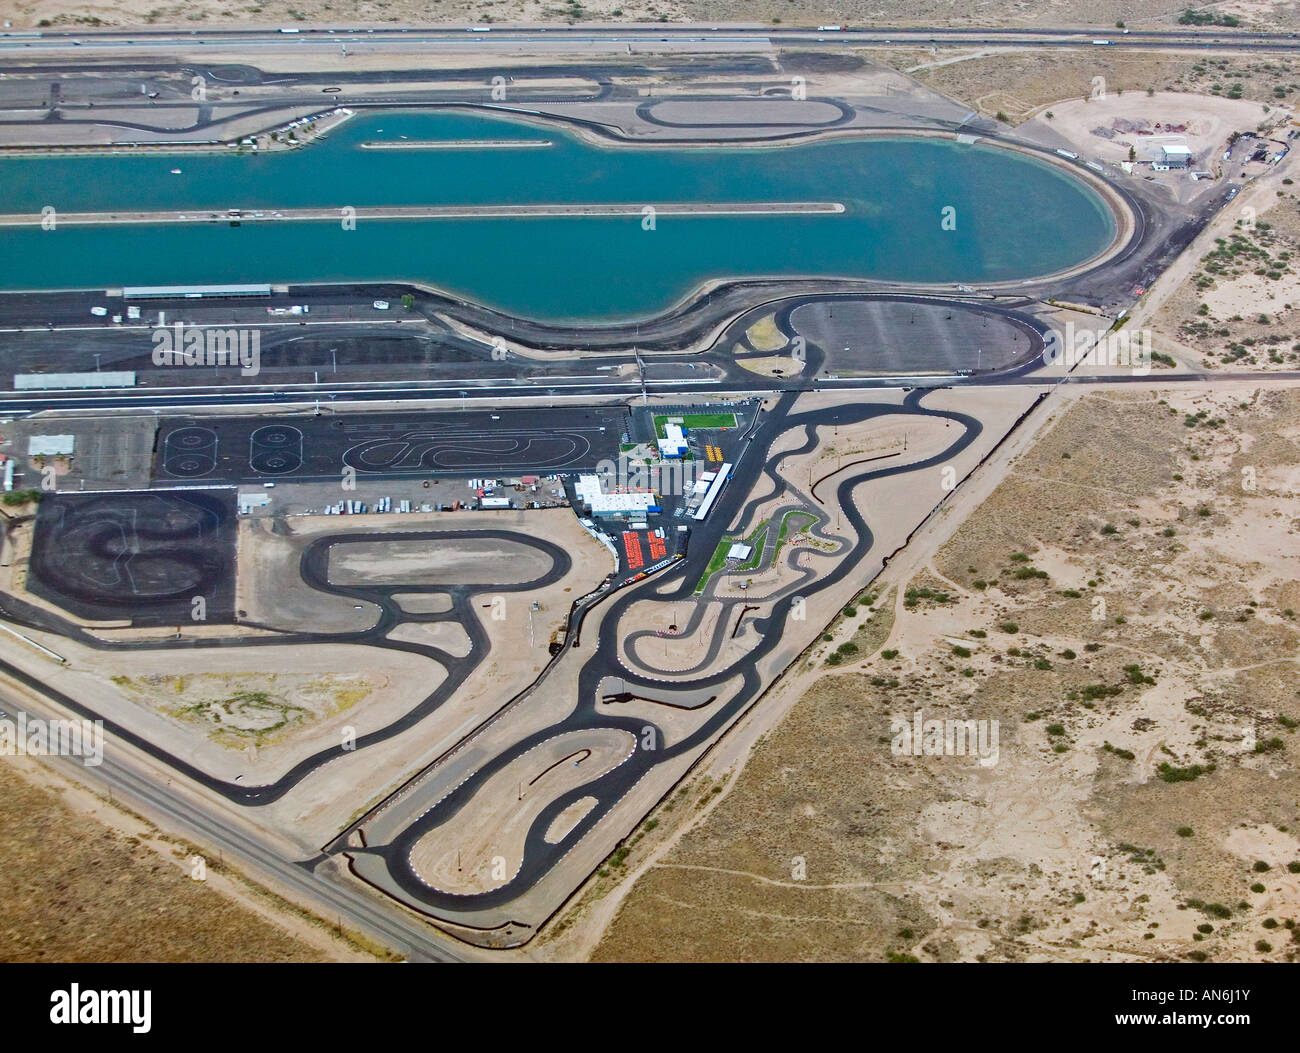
[(41, 13), (1124, 606), (1241, 306), (75, 890), (796, 12), (1147, 14), (1013, 85)]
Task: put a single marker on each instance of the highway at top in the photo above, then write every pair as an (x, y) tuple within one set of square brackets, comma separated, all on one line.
[(483, 37)]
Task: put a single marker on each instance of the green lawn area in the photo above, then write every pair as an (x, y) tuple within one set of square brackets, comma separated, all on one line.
[(757, 539), (715, 564), (695, 421)]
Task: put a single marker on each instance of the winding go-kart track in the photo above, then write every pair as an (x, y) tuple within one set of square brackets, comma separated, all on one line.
[(486, 830), (755, 482)]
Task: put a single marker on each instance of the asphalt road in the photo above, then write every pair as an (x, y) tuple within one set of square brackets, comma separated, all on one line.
[(144, 557), (721, 34), (325, 396)]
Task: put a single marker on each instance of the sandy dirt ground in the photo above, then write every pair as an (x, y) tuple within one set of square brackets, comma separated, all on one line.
[(284, 13), (1118, 606), (269, 589), (1020, 84), (1236, 307), (450, 636), (128, 892), (1144, 13), (1200, 122), (440, 562), (238, 714)]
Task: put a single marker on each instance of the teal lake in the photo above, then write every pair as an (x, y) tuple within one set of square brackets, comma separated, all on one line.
[(1016, 217)]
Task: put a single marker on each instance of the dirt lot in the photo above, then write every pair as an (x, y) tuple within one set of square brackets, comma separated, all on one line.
[(1124, 607), (1144, 123), (243, 710)]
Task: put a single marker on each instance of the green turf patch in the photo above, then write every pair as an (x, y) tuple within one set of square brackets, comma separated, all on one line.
[(716, 563), (695, 421), (757, 539)]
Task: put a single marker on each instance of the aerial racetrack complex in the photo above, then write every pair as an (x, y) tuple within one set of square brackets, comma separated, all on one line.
[(534, 430)]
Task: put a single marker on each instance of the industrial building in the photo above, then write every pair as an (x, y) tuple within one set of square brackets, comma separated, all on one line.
[(638, 503), (1175, 156)]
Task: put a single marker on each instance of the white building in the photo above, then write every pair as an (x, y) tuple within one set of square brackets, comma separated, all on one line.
[(592, 494), (673, 444)]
